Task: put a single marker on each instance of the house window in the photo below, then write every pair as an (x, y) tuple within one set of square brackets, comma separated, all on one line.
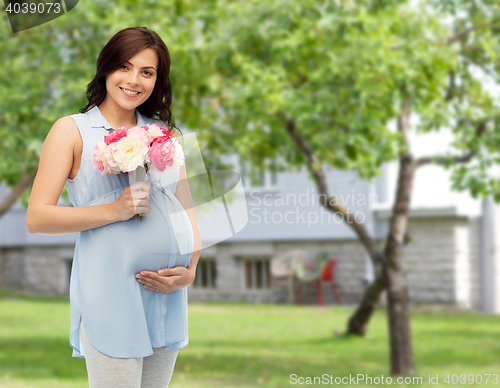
[(257, 274), (206, 274)]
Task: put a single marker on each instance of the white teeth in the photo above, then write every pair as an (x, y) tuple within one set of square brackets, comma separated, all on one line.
[(130, 91)]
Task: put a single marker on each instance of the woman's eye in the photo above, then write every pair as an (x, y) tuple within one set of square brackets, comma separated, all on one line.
[(148, 73), (124, 67)]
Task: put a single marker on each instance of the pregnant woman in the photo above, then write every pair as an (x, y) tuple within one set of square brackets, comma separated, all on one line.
[(128, 290)]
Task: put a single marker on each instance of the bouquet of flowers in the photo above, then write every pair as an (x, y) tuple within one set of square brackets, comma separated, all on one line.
[(135, 150)]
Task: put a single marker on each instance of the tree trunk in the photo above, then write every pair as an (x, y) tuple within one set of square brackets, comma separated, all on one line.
[(394, 277), (16, 192), (398, 306), (388, 266), (398, 311), (358, 323)]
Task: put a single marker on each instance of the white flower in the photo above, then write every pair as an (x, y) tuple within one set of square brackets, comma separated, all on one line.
[(128, 153)]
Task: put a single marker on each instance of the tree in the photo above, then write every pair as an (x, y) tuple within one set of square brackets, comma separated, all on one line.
[(319, 82), (43, 78)]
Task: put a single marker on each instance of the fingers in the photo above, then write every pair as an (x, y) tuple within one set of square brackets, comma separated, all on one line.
[(148, 274), (136, 186), (151, 284), (151, 280), (140, 196), (171, 271), (145, 273), (168, 272), (141, 209), (148, 285)]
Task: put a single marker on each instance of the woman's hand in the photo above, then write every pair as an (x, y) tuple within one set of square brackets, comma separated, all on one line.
[(132, 201), (168, 279)]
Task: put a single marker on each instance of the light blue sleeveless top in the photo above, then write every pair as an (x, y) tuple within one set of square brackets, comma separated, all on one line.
[(123, 319)]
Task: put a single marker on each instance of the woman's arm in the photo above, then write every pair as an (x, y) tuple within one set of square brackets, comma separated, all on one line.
[(56, 163)]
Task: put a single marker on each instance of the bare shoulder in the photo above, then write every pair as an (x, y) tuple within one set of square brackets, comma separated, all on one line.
[(56, 163), (64, 123), (66, 131)]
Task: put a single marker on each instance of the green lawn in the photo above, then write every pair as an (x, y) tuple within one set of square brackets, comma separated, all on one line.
[(240, 345)]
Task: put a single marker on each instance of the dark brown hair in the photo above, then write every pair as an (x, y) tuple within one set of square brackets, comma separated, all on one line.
[(120, 48)]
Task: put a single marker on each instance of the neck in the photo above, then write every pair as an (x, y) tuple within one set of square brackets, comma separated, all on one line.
[(116, 116)]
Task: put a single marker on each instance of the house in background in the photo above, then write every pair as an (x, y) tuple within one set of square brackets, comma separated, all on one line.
[(453, 258)]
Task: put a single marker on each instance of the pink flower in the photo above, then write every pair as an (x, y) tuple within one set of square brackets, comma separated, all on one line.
[(141, 134), (99, 160), (162, 152), (115, 135), (110, 152), (153, 131)]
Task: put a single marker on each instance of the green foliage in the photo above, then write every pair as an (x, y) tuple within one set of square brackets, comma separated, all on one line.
[(43, 78), (339, 69)]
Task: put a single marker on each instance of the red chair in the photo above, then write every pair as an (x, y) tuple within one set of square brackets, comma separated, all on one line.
[(327, 275)]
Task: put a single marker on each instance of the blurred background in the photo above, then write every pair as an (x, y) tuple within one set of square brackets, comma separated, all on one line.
[(301, 99)]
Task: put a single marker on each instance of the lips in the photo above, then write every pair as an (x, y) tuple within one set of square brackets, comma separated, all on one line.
[(130, 92)]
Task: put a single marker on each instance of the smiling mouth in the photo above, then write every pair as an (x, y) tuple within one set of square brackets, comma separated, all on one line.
[(130, 92)]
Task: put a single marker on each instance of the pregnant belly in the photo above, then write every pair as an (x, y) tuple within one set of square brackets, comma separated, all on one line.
[(133, 245)]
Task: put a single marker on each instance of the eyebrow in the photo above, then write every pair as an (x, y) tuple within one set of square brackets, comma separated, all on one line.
[(145, 67)]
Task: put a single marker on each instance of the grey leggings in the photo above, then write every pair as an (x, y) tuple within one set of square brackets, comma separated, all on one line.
[(154, 371)]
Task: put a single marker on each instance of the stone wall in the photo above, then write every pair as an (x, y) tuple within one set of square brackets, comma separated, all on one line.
[(442, 263), (349, 273), (44, 270), (429, 260)]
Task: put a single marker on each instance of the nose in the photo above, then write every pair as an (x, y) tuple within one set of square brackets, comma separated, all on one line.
[(133, 78)]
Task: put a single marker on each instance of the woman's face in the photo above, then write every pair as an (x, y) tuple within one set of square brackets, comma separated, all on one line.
[(134, 81)]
